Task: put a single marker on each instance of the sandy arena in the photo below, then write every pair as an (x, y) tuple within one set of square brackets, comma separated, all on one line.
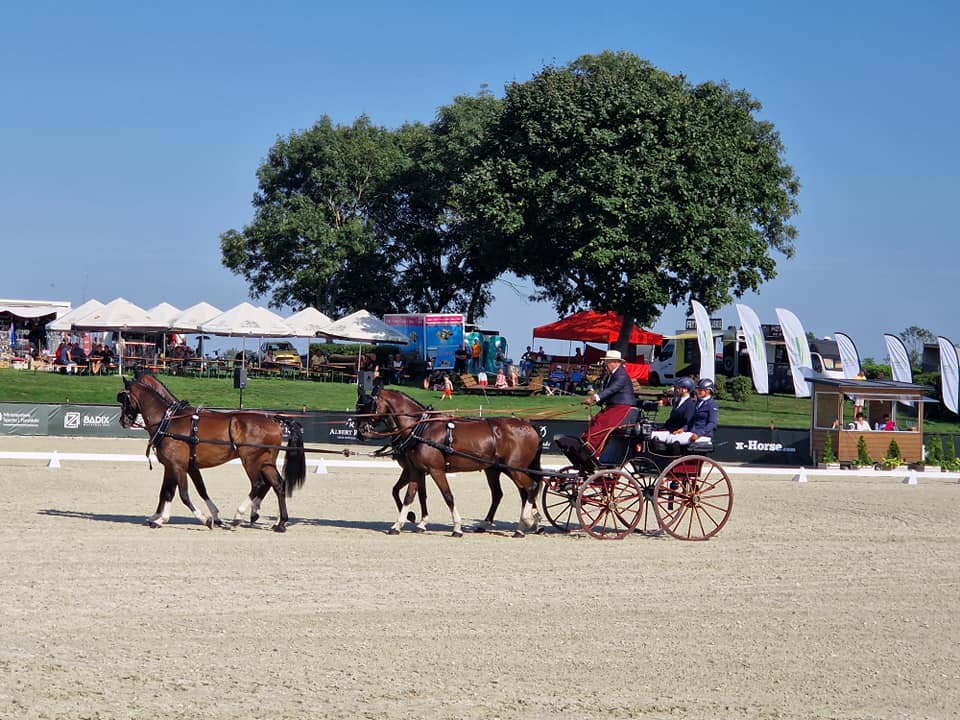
[(836, 598)]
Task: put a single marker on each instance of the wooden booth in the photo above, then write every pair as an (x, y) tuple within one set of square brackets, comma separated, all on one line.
[(836, 403)]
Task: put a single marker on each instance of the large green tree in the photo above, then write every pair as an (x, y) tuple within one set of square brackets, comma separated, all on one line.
[(312, 240), (623, 187), (360, 216)]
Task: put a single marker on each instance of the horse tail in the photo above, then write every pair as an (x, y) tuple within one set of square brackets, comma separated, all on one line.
[(295, 467), (537, 477)]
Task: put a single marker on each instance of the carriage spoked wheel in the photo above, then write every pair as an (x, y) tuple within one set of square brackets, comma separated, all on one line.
[(647, 474), (693, 498), (559, 498), (610, 504)]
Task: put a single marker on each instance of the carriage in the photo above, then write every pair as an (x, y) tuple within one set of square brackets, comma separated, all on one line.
[(639, 485), (633, 485)]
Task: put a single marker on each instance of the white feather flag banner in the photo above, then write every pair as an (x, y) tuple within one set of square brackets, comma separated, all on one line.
[(949, 373), (705, 340), (756, 348), (849, 357), (899, 360), (798, 351)]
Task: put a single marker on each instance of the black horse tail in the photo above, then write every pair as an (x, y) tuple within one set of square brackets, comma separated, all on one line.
[(537, 477), (295, 467)]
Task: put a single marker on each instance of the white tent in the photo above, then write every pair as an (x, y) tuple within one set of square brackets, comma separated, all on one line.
[(164, 312), (308, 322), (246, 320), (363, 327), (64, 323), (190, 320), (120, 316)]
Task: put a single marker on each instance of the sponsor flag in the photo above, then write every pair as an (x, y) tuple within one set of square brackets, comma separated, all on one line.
[(899, 359), (949, 373), (756, 348), (798, 351), (849, 357), (704, 340)]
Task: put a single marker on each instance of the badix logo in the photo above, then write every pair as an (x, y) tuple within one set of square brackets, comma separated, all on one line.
[(71, 420)]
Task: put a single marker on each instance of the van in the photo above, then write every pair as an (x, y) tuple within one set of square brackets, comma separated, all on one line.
[(824, 358)]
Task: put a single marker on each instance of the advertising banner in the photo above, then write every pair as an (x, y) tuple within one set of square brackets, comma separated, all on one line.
[(88, 421), (949, 372), (21, 419), (849, 357), (798, 351), (756, 348), (705, 340), (443, 334), (899, 359)]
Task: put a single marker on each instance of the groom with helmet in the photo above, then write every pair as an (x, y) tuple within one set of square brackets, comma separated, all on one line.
[(703, 423)]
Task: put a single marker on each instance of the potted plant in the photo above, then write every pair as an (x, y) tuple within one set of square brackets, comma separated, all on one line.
[(894, 457), (829, 458), (863, 455)]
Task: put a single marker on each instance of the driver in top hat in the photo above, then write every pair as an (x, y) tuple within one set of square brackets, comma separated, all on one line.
[(617, 397)]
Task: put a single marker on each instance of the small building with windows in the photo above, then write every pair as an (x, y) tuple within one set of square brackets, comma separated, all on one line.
[(836, 403)]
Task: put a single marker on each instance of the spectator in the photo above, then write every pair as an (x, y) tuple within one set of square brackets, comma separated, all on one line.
[(514, 378), (475, 353), (501, 381), (447, 387)]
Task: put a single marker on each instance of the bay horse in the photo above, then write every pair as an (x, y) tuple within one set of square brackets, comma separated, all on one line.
[(187, 439), (424, 443)]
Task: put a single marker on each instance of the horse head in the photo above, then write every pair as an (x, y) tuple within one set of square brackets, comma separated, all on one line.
[(370, 416), (144, 396)]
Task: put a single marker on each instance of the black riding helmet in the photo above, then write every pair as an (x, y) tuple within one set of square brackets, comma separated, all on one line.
[(684, 382), (706, 384)]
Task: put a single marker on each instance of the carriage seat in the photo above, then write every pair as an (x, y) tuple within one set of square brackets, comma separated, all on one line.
[(620, 441)]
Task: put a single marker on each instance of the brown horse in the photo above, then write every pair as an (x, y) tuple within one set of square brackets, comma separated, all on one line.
[(187, 439), (424, 443)]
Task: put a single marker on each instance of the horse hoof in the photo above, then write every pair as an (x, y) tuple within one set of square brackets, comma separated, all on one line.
[(254, 517), (518, 534), (236, 521), (209, 523), (154, 525), (279, 528), (419, 529), (456, 533), (393, 531)]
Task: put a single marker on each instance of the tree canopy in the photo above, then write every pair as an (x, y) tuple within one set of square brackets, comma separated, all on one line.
[(607, 182), (626, 188)]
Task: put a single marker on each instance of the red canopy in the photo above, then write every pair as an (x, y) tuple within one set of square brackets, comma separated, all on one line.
[(592, 326)]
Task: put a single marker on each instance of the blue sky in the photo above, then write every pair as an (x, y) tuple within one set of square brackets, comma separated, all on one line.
[(130, 132)]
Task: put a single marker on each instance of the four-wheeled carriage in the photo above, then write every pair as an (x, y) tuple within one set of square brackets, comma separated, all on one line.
[(634, 486)]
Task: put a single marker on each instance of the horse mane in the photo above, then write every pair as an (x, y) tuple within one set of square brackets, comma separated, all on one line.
[(419, 405), (156, 383)]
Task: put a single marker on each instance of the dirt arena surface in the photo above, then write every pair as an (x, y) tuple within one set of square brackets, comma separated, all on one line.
[(836, 598)]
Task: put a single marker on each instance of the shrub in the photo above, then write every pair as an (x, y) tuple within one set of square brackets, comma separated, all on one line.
[(934, 451), (894, 457), (828, 455), (720, 389), (949, 461), (863, 456), (740, 388)]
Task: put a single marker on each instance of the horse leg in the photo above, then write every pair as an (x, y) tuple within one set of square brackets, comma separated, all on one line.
[(166, 500), (414, 481), (529, 515), (185, 499), (271, 475), (440, 478), (251, 503), (202, 490), (496, 495)]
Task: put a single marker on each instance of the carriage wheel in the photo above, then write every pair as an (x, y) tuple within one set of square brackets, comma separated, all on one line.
[(559, 498), (609, 504), (693, 498), (646, 472)]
